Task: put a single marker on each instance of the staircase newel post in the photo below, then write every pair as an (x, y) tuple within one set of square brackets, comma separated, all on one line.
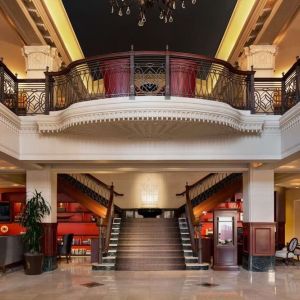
[(190, 218), (199, 227), (100, 254), (109, 217)]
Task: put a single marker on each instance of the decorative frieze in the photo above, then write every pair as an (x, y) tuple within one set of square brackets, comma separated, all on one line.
[(194, 111), (261, 58), (38, 58)]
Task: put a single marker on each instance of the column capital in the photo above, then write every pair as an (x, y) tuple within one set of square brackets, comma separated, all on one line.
[(261, 58), (38, 58)]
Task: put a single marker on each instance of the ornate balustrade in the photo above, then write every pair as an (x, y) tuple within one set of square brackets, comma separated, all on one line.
[(278, 95), (150, 73)]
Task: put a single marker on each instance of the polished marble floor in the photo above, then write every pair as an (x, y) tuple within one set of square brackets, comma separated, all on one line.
[(68, 283)]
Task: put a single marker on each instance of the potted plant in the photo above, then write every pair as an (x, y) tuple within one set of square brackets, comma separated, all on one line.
[(34, 211)]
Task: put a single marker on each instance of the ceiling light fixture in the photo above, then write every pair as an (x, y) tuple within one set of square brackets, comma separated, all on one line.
[(166, 8)]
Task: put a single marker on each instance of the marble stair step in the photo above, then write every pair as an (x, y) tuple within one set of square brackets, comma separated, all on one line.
[(103, 267), (150, 267), (176, 240), (197, 266), (149, 236), (152, 253), (152, 243), (191, 259), (150, 232), (161, 247), (149, 220), (150, 228), (149, 260)]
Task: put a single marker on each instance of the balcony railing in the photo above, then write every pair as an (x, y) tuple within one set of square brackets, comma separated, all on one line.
[(151, 73)]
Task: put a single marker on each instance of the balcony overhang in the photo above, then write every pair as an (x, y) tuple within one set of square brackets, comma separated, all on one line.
[(149, 109)]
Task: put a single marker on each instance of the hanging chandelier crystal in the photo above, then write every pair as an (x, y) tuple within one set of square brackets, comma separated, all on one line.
[(166, 8)]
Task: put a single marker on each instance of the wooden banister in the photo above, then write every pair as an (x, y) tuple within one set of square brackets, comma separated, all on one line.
[(106, 186), (191, 220), (195, 184), (108, 221)]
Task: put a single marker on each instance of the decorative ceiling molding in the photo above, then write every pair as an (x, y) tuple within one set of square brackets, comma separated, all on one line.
[(9, 119), (150, 109), (35, 24), (21, 21), (291, 118), (56, 21), (254, 24)]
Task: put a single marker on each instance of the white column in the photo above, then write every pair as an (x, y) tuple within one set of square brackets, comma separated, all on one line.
[(261, 58), (38, 58), (44, 181), (258, 195)]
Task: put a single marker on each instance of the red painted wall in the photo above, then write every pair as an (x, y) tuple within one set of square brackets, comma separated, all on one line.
[(13, 228)]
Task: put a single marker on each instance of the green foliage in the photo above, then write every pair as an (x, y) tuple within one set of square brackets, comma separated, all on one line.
[(35, 210)]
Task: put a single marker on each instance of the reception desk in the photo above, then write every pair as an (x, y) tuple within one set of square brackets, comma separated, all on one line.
[(11, 250)]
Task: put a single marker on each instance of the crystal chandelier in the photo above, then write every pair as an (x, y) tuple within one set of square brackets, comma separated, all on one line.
[(166, 8)]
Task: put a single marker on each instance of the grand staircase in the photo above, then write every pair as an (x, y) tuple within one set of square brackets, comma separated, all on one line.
[(150, 244)]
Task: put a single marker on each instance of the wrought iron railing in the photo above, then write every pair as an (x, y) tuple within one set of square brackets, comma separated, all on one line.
[(99, 192), (278, 95), (212, 185), (150, 73), (89, 187), (196, 194)]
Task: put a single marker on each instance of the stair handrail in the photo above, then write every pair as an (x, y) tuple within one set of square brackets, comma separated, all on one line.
[(95, 184), (92, 185), (108, 221), (191, 192), (200, 181), (107, 192), (98, 181), (191, 220), (208, 181)]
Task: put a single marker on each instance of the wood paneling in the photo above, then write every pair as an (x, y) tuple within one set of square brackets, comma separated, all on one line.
[(225, 256), (49, 244), (259, 239)]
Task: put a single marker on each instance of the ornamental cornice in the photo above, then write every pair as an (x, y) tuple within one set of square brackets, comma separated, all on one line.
[(291, 118), (150, 109), (9, 119)]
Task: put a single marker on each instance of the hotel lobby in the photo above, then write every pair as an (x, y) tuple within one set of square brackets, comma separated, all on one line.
[(149, 149)]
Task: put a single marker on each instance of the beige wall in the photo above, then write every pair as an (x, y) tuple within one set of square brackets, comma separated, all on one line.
[(288, 43), (11, 48), (292, 227), (140, 189)]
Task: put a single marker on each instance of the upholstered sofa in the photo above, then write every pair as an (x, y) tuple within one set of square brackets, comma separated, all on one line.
[(11, 250)]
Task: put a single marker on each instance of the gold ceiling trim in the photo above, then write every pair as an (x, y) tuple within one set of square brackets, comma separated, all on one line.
[(238, 19), (64, 27)]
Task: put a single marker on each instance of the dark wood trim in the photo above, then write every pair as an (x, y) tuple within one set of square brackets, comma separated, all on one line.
[(225, 255), (106, 186), (151, 53), (259, 238), (196, 183), (49, 243)]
